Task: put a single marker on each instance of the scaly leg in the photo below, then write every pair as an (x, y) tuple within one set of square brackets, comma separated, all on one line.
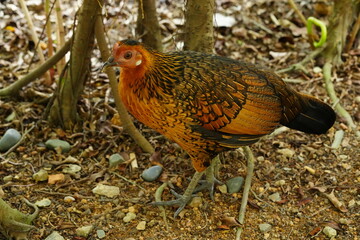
[(247, 186), (211, 180), (182, 200)]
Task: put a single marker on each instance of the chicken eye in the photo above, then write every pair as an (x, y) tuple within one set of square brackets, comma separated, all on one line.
[(128, 55)]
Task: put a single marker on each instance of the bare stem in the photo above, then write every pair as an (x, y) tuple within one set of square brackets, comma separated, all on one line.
[(124, 116)]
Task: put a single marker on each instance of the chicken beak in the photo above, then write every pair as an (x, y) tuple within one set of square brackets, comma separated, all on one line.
[(109, 63)]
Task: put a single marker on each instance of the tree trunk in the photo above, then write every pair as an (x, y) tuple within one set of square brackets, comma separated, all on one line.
[(148, 28), (198, 30), (63, 110), (339, 26)]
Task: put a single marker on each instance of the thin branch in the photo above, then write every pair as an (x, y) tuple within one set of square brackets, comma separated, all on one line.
[(124, 116), (247, 186), (16, 86), (331, 92), (34, 37)]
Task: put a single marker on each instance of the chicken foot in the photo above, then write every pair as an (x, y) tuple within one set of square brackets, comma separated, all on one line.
[(182, 200)]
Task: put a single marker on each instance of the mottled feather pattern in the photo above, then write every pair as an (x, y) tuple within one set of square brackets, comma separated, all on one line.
[(209, 103)]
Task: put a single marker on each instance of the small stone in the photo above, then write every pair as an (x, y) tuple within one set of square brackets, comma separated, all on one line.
[(264, 227), (115, 160), (351, 203), (8, 178), (84, 231), (280, 183), (195, 202), (329, 232), (55, 236), (223, 188), (10, 138), (317, 69), (345, 221), (69, 199), (72, 169), (152, 173), (286, 152), (129, 217), (234, 184), (57, 143), (275, 197), (41, 175), (100, 233), (357, 99), (43, 203), (108, 191), (132, 209), (141, 226), (55, 178)]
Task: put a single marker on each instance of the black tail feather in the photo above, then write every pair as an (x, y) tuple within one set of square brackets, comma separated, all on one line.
[(316, 117)]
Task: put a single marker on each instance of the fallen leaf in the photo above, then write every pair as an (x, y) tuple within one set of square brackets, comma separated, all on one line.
[(333, 199), (304, 201)]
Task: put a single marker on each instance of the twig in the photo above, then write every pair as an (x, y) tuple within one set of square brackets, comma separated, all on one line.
[(158, 194), (60, 33), (128, 180), (339, 135), (353, 35), (34, 37), (16, 86), (331, 92), (127, 124), (298, 12), (300, 65), (250, 172)]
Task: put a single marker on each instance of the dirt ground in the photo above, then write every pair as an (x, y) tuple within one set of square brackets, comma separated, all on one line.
[(303, 169)]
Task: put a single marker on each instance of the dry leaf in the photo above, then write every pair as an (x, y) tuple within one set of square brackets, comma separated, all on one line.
[(338, 204)]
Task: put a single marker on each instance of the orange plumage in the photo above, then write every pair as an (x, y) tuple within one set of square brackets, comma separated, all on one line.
[(208, 103)]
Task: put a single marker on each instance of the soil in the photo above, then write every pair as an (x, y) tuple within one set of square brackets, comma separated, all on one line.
[(303, 169)]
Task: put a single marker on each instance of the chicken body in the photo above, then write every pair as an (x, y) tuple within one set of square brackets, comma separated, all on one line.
[(208, 104)]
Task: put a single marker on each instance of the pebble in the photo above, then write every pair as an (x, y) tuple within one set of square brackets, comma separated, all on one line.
[(195, 202), (100, 233), (275, 197), (280, 183), (329, 232), (129, 217), (234, 184), (72, 169), (286, 152), (351, 203), (152, 173), (69, 199), (105, 190), (357, 99), (345, 221), (41, 175), (43, 202), (264, 227), (8, 178), (115, 160), (55, 236), (55, 178), (55, 143), (223, 188), (10, 138), (84, 231), (141, 226)]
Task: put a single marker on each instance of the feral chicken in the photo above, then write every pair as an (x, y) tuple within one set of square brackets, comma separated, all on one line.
[(209, 104)]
